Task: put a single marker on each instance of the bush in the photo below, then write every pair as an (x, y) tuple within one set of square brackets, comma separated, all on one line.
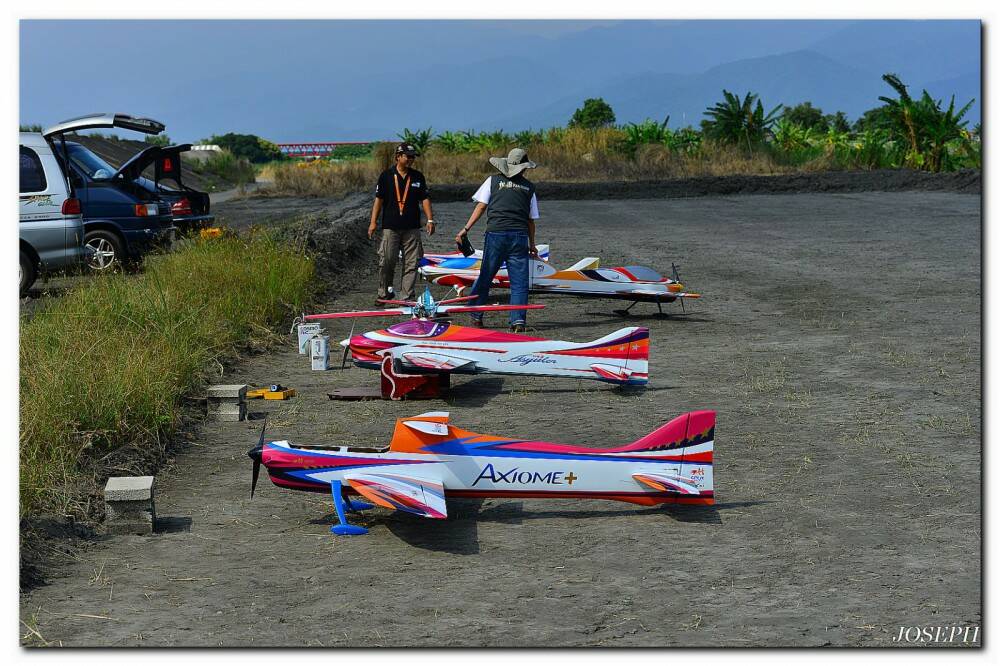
[(352, 152), (248, 146), (227, 166), (107, 366)]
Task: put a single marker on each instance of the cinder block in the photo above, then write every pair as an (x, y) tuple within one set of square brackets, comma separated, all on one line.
[(231, 391), (225, 407), (130, 505), (240, 415), (227, 402)]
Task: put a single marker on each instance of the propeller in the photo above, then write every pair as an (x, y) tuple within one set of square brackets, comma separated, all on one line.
[(347, 349), (256, 454), (677, 278)]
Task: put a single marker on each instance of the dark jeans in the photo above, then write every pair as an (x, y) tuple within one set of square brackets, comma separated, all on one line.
[(500, 246)]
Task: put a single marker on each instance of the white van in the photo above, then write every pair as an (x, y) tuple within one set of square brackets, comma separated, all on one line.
[(51, 224)]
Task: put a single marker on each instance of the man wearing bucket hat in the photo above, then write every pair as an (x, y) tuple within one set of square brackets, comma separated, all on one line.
[(511, 207), (399, 195)]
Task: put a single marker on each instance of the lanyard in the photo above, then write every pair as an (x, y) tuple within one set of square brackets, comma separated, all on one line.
[(401, 201)]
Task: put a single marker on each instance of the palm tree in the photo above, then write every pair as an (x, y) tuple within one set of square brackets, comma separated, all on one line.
[(734, 121)]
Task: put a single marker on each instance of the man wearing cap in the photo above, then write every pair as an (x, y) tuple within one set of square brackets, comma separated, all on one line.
[(511, 208), (400, 193)]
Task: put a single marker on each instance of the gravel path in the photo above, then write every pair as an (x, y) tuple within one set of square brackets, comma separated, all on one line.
[(839, 340)]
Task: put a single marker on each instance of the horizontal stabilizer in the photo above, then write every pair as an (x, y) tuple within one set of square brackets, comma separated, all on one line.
[(667, 483), (429, 427), (614, 373), (421, 496), (434, 361)]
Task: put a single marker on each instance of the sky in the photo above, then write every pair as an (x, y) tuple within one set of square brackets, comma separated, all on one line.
[(330, 80)]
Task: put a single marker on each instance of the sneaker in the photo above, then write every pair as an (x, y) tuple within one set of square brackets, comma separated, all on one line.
[(517, 328), (476, 323)]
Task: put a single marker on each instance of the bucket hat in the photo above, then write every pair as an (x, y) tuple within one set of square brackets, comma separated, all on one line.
[(515, 162)]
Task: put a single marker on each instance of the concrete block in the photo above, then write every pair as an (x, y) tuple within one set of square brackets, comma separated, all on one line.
[(240, 415), (225, 407), (227, 402), (129, 488), (131, 508), (230, 391)]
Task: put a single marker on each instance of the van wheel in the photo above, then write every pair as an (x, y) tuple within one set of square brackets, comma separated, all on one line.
[(28, 273), (105, 250)]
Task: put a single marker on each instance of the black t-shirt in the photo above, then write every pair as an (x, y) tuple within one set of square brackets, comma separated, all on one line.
[(392, 190)]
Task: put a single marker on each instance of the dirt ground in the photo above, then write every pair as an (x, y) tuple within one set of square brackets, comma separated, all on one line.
[(839, 341)]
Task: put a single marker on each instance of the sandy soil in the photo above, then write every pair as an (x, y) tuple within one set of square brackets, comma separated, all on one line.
[(839, 340)]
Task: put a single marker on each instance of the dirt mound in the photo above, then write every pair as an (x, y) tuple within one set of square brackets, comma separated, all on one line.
[(965, 182)]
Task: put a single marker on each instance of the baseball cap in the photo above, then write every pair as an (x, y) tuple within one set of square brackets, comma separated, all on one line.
[(407, 149)]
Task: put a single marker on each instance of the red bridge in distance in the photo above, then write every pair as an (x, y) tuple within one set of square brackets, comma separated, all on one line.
[(316, 148)]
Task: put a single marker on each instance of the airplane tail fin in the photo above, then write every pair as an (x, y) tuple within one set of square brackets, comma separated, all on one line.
[(690, 434), (623, 356)]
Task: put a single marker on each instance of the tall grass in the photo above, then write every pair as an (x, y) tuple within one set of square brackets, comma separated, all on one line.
[(227, 166), (105, 367), (637, 151)]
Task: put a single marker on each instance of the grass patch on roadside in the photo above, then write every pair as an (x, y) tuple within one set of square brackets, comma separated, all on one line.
[(105, 368)]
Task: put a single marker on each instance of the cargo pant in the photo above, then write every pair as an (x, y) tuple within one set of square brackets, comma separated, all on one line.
[(407, 240)]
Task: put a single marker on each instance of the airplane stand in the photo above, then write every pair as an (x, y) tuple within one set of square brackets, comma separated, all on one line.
[(397, 386)]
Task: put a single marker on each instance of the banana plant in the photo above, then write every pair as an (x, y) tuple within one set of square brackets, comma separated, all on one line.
[(740, 122), (420, 139)]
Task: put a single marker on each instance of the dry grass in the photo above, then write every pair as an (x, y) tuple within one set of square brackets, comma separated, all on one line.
[(577, 156)]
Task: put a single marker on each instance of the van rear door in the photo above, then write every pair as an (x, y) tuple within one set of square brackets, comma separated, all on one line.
[(105, 120)]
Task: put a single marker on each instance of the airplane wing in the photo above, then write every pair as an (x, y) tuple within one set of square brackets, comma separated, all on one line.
[(667, 483), (422, 496), (433, 360), (487, 308), (392, 312)]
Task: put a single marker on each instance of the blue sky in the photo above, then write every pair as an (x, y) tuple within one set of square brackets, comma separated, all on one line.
[(366, 80)]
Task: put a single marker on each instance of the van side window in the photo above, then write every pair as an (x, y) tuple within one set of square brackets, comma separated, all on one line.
[(32, 174)]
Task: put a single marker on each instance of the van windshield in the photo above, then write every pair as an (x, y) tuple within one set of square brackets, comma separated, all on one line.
[(90, 164)]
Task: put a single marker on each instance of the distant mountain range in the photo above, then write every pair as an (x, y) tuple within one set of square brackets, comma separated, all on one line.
[(358, 80)]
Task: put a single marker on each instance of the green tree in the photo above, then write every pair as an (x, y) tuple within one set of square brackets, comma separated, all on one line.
[(739, 122), (248, 146), (594, 113), (837, 121), (873, 119), (806, 116), (29, 128)]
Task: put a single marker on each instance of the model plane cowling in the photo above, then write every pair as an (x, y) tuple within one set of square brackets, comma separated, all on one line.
[(430, 460), (620, 358)]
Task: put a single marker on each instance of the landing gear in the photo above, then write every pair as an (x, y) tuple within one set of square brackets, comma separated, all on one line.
[(340, 503), (624, 312)]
